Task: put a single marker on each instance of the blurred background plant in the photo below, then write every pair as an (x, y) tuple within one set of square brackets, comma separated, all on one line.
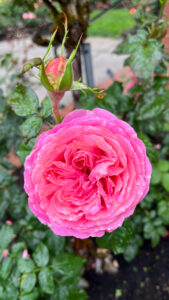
[(35, 263)]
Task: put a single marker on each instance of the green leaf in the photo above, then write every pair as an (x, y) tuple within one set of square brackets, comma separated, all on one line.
[(1, 101), (156, 176), (2, 292), (6, 267), (34, 62), (25, 265), (55, 243), (77, 294), (46, 281), (148, 55), (68, 265), (163, 165), (25, 149), (6, 164), (152, 109), (30, 296), (28, 282), (117, 240), (41, 255), (20, 246), (165, 181), (151, 152), (163, 211), (24, 101), (31, 127), (11, 293), (6, 236), (46, 107), (132, 43), (155, 238), (166, 114), (76, 85), (5, 178), (132, 249)]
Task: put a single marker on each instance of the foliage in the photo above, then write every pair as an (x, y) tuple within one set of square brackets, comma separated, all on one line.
[(145, 107), (35, 263)]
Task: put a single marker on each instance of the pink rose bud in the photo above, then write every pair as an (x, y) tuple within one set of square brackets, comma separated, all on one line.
[(9, 222), (87, 174), (139, 6), (56, 75), (36, 5), (55, 71), (5, 253), (25, 254)]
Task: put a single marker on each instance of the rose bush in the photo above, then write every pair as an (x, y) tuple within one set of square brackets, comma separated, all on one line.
[(87, 174)]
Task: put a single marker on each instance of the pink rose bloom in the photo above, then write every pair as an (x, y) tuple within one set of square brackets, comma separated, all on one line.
[(87, 174)]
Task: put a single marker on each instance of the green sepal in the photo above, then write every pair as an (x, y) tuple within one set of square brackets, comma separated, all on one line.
[(34, 62), (50, 44), (44, 79), (65, 36), (76, 85), (72, 55), (67, 79)]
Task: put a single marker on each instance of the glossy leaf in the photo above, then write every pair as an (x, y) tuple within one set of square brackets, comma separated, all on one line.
[(25, 149), (117, 240), (6, 236), (163, 165), (165, 181), (24, 101), (5, 268), (46, 281), (151, 152), (25, 265), (30, 296), (41, 255), (28, 282), (31, 127)]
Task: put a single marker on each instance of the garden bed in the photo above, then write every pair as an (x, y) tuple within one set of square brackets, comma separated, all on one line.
[(145, 277)]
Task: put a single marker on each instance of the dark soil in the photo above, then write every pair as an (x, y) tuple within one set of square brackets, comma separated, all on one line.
[(145, 278)]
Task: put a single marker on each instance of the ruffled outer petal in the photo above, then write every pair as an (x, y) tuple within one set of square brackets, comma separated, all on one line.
[(87, 174)]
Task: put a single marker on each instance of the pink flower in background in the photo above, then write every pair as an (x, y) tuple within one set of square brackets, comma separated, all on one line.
[(28, 15), (87, 174), (25, 254), (131, 83), (132, 11), (148, 8), (139, 6), (4, 253), (9, 222), (36, 5)]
